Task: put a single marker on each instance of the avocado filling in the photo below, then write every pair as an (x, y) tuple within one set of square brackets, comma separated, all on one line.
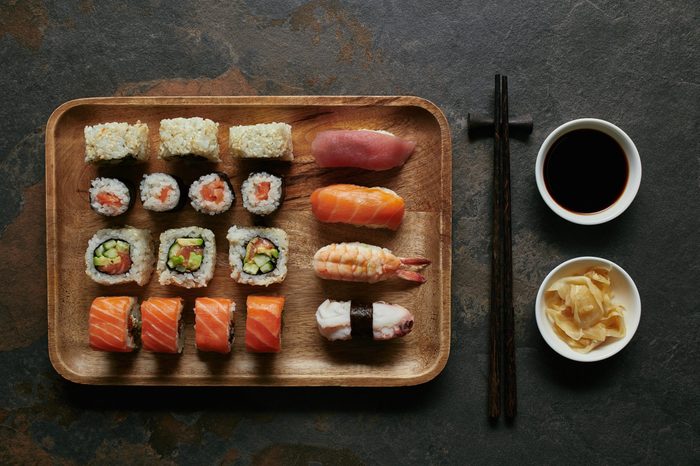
[(186, 254), (260, 256), (112, 257)]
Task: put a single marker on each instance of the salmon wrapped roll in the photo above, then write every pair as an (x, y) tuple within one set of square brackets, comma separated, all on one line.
[(162, 325), (114, 324), (213, 327), (263, 326)]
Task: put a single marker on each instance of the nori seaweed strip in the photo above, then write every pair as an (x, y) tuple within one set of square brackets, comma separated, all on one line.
[(361, 321)]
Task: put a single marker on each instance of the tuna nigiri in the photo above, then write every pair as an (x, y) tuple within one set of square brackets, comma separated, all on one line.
[(368, 149), (263, 326), (343, 320), (213, 327), (357, 205), (114, 324), (161, 325)]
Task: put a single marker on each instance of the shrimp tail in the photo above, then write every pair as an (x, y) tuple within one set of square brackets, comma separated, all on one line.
[(410, 275), (414, 261)]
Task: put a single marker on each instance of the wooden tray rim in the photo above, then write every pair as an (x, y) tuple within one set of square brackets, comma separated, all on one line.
[(427, 375)]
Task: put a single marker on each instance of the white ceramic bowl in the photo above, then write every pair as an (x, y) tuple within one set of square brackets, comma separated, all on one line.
[(624, 292), (633, 180)]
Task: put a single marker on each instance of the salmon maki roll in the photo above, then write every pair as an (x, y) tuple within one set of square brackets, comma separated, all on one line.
[(213, 327), (161, 325), (359, 206), (263, 326), (114, 324)]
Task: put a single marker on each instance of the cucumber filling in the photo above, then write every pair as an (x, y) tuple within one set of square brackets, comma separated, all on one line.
[(186, 255), (112, 257), (261, 256)]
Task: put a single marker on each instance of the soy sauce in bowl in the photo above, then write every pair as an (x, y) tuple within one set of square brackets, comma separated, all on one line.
[(585, 171)]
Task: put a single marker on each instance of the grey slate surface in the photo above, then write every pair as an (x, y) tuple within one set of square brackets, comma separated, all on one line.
[(635, 64)]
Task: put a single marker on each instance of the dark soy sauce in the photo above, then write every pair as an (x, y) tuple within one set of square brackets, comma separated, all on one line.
[(585, 171)]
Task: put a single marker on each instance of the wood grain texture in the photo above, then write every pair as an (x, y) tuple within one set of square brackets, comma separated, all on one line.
[(306, 357)]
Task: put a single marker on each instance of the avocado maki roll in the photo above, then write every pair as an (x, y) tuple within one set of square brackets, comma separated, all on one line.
[(122, 255), (212, 194), (115, 142), (161, 192), (258, 256), (186, 257), (110, 196), (262, 193)]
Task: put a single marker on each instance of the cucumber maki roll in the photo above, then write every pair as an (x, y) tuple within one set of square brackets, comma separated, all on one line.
[(262, 193), (122, 255), (161, 192), (258, 256), (110, 196), (212, 194), (186, 257)]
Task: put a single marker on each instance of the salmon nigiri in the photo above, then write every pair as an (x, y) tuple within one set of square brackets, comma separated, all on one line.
[(263, 326), (114, 324), (161, 325), (364, 148), (357, 205), (213, 327)]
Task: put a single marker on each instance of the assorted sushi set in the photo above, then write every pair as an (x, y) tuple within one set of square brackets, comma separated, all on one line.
[(198, 228), (186, 256)]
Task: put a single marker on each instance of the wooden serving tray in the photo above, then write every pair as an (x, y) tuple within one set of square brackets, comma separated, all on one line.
[(306, 357)]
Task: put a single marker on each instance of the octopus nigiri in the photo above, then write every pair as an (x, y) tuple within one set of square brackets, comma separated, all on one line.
[(368, 149), (359, 262), (343, 320), (357, 205)]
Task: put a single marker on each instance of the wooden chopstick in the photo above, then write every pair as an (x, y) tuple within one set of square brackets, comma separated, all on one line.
[(494, 398), (509, 382), (502, 325)]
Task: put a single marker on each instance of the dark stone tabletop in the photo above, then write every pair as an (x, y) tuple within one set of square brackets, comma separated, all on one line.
[(635, 64)]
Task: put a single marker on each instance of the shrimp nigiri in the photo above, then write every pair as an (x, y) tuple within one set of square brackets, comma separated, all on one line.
[(359, 262), (357, 205)]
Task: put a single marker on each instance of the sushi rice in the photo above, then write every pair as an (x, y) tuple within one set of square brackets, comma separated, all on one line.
[(116, 191), (196, 136), (140, 252), (151, 188), (262, 141), (261, 205), (114, 142)]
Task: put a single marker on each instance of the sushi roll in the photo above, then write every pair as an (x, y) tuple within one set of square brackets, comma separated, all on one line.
[(186, 257), (181, 137), (213, 327), (343, 320), (115, 142), (161, 192), (162, 325), (263, 324), (262, 141), (262, 193), (110, 196), (258, 256), (212, 194), (120, 255), (114, 324)]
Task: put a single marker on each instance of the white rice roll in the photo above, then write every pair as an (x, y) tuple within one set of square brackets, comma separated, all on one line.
[(140, 254), (114, 142), (168, 275), (260, 201), (110, 196), (211, 205), (180, 137), (239, 237), (152, 189), (262, 141)]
